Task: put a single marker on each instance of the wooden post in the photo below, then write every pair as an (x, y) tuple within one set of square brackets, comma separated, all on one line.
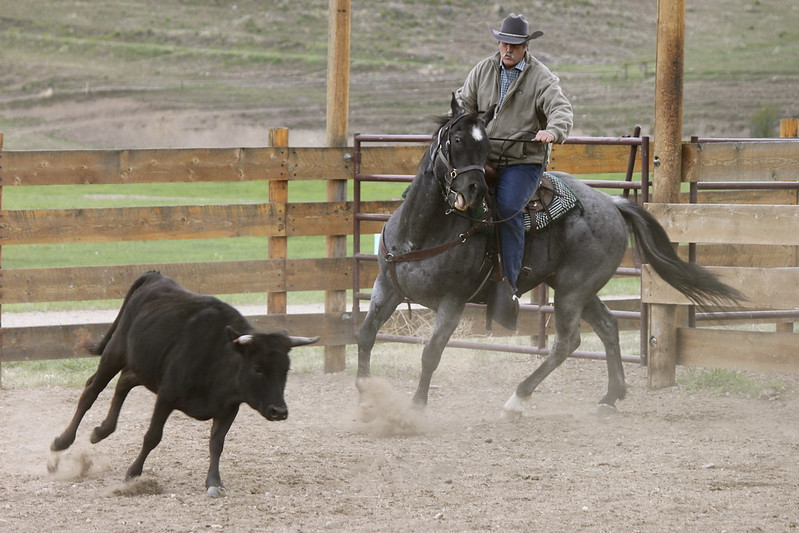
[(278, 246), (338, 72), (1, 257), (662, 361), (338, 80), (789, 128)]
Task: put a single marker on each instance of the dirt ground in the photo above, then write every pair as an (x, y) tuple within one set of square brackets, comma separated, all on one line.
[(668, 461)]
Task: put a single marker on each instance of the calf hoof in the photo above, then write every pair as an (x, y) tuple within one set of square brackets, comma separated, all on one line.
[(97, 435), (52, 463), (216, 492), (513, 408), (61, 443), (132, 473)]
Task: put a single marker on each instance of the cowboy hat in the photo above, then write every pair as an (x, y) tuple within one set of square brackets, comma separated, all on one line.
[(514, 30)]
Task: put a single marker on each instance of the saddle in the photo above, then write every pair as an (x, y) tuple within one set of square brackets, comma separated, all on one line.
[(552, 200), (540, 201)]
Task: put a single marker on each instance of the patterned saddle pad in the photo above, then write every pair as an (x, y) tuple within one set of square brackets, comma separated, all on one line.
[(552, 201)]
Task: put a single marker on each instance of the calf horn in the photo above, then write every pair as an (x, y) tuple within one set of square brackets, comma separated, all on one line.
[(243, 339), (302, 341)]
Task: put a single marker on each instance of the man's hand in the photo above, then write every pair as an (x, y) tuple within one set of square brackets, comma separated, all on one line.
[(543, 136)]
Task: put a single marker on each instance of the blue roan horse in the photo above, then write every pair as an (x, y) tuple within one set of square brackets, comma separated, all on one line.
[(432, 253)]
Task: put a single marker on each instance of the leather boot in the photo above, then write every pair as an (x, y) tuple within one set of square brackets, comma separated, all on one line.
[(502, 305)]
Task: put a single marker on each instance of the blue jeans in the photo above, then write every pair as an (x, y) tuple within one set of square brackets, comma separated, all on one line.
[(515, 185)]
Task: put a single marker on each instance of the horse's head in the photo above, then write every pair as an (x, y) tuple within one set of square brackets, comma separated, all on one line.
[(461, 152)]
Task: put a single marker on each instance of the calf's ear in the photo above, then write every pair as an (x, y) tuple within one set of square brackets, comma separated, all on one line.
[(236, 337), (231, 333)]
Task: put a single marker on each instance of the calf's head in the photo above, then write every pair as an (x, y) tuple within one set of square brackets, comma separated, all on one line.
[(262, 376)]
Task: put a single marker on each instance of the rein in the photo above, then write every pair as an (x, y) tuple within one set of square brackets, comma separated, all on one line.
[(418, 255), (514, 140)]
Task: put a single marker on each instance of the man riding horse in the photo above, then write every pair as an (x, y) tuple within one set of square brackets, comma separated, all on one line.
[(531, 113)]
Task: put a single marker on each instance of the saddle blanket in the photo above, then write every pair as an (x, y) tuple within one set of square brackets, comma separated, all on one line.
[(552, 201)]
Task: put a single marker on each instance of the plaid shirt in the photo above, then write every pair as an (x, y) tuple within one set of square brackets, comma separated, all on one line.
[(508, 77)]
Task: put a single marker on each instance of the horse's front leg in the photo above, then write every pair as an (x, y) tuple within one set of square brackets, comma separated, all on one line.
[(448, 315), (383, 302)]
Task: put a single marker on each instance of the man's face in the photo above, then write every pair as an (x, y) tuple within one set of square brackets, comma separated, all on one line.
[(511, 53)]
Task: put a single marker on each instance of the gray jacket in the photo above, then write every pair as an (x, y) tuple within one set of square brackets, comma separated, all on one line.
[(533, 102)]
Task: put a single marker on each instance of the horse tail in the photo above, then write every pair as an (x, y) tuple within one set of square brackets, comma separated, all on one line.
[(697, 283)]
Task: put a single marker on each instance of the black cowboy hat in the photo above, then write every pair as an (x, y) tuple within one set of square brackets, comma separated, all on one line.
[(514, 30)]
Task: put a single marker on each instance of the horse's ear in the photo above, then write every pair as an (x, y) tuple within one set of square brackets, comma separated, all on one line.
[(488, 115), (456, 108)]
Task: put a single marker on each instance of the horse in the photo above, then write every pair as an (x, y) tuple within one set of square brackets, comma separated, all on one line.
[(432, 252)]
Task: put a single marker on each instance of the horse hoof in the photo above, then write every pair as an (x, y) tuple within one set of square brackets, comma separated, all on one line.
[(510, 415), (216, 492), (604, 410), (361, 383), (513, 408)]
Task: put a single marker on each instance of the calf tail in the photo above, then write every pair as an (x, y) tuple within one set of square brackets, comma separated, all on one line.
[(697, 283), (97, 348)]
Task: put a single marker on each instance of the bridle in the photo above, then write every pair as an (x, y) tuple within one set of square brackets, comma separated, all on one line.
[(442, 152)]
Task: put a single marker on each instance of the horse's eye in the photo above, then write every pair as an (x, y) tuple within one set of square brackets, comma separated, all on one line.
[(457, 140)]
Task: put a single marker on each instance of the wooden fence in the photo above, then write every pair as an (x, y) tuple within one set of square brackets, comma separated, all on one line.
[(275, 219), (753, 217), (280, 220)]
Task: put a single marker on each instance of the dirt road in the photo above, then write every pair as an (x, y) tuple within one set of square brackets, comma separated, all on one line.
[(669, 461)]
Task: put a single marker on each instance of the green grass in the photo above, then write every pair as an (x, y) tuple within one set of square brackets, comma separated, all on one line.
[(137, 195), (721, 382), (56, 372)]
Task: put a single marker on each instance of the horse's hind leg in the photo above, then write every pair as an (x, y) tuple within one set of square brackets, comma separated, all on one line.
[(606, 327), (567, 328), (108, 367)]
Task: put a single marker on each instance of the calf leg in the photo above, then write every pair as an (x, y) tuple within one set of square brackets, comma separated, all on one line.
[(126, 382), (151, 439), (219, 429), (108, 367), (607, 329)]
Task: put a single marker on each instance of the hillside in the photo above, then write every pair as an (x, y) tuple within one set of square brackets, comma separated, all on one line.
[(172, 73)]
